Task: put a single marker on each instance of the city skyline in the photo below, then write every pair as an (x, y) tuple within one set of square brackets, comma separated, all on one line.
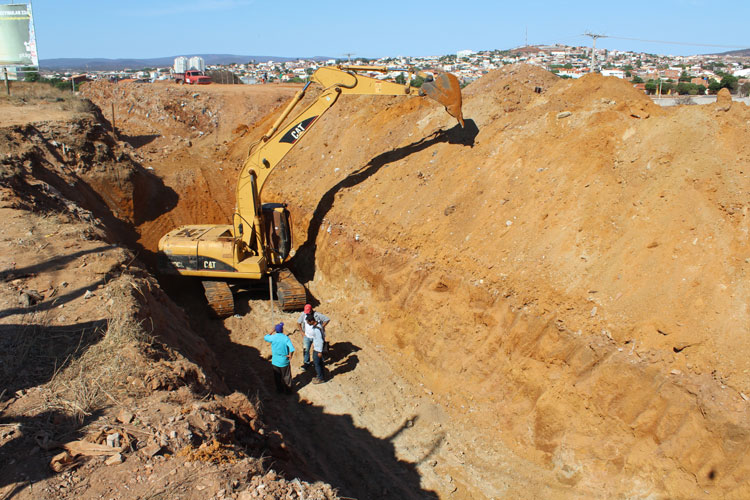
[(141, 29)]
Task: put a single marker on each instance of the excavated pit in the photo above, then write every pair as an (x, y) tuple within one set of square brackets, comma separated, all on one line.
[(548, 303), (88, 336)]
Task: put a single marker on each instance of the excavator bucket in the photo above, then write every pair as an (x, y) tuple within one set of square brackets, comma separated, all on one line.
[(446, 90)]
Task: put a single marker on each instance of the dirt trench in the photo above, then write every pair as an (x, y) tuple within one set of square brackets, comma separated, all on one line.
[(92, 348), (368, 417), (497, 331)]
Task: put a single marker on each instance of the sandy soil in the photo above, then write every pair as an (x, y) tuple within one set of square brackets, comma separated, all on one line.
[(91, 347), (580, 254), (549, 303)]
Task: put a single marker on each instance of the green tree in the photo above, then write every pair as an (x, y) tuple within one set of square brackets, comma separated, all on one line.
[(637, 79), (31, 74), (684, 77), (684, 88), (652, 86), (401, 78), (713, 86), (730, 82), (417, 81), (744, 89)]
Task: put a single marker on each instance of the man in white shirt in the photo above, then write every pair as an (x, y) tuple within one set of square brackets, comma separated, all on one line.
[(321, 320), (315, 332)]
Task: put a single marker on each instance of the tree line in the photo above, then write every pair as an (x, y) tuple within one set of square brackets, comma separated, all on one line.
[(684, 86)]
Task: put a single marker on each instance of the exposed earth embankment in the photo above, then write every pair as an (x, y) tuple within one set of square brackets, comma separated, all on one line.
[(550, 302)]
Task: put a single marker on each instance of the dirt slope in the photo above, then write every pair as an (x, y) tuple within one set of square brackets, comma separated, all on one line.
[(105, 390), (179, 134), (565, 278), (575, 276)]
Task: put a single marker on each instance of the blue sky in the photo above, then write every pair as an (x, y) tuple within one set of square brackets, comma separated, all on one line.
[(292, 28)]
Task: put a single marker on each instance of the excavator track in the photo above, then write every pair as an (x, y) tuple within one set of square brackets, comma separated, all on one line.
[(219, 297), (290, 292)]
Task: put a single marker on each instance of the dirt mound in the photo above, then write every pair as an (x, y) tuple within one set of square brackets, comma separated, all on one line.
[(565, 254), (77, 166), (563, 278)]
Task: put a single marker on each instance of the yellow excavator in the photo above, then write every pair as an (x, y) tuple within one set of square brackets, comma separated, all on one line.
[(258, 242)]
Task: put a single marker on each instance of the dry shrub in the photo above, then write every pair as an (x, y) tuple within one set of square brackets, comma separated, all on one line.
[(39, 91), (33, 349), (684, 100), (36, 92), (112, 368)]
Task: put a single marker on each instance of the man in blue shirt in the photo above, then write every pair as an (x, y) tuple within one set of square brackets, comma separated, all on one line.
[(281, 355)]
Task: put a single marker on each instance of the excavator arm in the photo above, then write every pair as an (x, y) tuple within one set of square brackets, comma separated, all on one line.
[(258, 240), (268, 152)]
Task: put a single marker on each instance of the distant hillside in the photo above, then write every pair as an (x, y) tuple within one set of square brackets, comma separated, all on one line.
[(101, 64), (738, 53)]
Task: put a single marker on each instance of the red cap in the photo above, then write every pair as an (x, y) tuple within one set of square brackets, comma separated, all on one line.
[(308, 309)]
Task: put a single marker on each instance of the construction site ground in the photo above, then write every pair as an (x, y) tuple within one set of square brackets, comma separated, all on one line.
[(548, 303)]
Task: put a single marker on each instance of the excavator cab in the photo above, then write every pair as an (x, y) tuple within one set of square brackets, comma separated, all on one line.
[(277, 229)]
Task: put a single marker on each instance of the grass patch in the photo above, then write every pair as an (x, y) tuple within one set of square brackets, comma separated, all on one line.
[(40, 92), (33, 350), (109, 370)]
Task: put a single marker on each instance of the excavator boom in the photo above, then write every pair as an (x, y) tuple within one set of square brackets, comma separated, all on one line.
[(278, 141)]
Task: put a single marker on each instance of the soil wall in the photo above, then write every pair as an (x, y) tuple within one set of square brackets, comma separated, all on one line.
[(567, 273), (570, 269)]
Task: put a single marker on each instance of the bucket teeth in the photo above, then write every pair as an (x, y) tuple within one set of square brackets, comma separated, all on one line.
[(446, 90)]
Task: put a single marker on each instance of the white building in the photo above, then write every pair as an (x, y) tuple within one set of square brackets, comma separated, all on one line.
[(197, 63), (617, 73)]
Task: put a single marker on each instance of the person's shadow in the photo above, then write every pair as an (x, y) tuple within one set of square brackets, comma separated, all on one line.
[(342, 358), (317, 446), (339, 359)]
